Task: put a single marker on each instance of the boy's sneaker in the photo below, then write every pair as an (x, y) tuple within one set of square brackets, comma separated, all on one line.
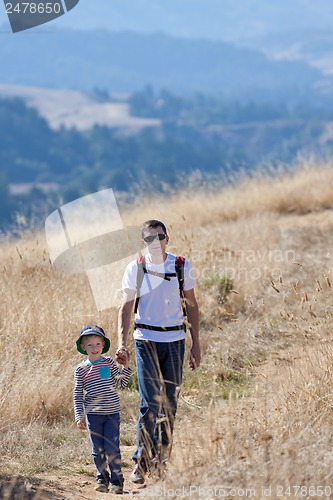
[(117, 488), (102, 486), (138, 475)]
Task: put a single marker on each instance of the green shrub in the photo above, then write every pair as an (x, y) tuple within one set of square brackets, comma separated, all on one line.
[(222, 284)]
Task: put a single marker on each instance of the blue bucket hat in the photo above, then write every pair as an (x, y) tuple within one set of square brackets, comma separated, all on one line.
[(92, 330)]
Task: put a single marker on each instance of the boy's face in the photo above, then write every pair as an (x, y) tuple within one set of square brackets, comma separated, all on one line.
[(93, 345)]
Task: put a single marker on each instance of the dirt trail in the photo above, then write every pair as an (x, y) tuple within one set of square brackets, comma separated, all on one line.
[(60, 486)]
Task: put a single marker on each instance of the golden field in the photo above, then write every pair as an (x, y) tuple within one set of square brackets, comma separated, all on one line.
[(255, 420)]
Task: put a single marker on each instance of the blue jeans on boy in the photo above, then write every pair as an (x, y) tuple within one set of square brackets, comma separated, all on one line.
[(104, 437), (160, 370)]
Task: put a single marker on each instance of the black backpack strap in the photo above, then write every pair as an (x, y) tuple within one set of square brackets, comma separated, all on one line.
[(159, 328), (179, 267), (163, 276), (142, 270), (139, 279), (180, 263)]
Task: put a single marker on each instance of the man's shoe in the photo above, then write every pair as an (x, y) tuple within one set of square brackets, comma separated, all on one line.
[(102, 486), (117, 488), (165, 454), (138, 475)]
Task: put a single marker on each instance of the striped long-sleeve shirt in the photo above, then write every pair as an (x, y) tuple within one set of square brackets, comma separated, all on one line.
[(95, 387)]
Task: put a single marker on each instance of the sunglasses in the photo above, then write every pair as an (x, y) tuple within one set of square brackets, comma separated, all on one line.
[(152, 237)]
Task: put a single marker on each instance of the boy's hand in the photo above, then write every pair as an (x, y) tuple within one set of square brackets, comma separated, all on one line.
[(81, 424)]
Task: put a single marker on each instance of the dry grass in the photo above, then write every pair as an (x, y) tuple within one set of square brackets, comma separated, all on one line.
[(258, 413)]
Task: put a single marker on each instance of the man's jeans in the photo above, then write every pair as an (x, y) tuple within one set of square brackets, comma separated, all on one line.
[(160, 369), (104, 437)]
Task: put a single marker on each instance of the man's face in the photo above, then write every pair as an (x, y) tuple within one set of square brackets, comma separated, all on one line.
[(156, 240)]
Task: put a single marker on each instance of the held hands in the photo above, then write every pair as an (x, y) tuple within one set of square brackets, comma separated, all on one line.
[(123, 356), (81, 424)]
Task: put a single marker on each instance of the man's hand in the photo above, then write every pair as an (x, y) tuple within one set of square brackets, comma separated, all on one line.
[(124, 321), (193, 319), (122, 356), (195, 357)]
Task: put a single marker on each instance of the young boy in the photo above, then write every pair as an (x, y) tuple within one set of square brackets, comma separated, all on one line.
[(96, 404)]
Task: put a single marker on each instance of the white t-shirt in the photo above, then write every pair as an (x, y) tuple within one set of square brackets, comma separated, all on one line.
[(159, 303)]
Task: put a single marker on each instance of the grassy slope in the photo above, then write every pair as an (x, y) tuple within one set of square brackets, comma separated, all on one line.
[(258, 412)]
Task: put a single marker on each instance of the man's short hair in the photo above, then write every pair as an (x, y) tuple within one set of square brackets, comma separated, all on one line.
[(152, 224)]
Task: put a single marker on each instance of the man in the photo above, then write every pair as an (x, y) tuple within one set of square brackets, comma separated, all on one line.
[(153, 285)]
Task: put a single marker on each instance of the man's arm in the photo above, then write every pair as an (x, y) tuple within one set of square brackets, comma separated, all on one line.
[(192, 311), (124, 323)]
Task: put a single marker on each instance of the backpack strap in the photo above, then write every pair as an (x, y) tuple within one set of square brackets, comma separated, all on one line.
[(142, 270), (163, 276), (139, 279), (180, 263)]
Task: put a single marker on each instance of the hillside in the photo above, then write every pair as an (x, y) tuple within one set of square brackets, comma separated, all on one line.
[(61, 144), (257, 414), (127, 61), (313, 47), (210, 19)]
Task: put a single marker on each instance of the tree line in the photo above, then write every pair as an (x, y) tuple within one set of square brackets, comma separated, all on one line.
[(197, 135)]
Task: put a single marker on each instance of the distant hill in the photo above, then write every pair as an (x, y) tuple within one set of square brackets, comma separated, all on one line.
[(313, 47), (125, 62), (202, 138), (211, 19)]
